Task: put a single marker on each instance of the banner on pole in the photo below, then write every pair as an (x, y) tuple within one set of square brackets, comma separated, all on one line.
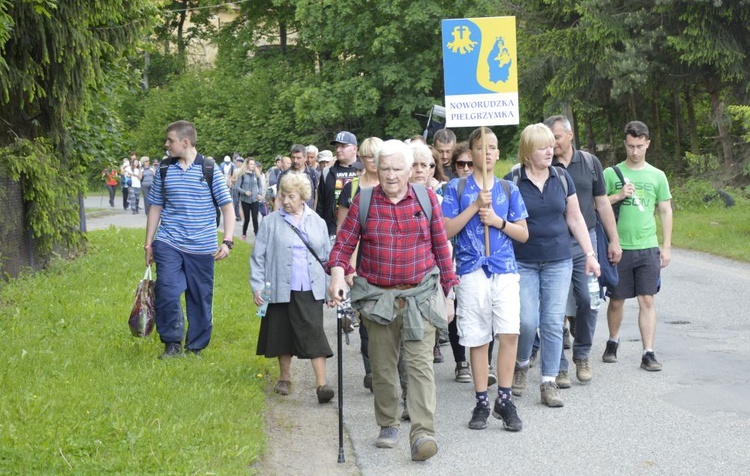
[(480, 71)]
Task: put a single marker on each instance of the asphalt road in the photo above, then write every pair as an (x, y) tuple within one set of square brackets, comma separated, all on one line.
[(691, 418)]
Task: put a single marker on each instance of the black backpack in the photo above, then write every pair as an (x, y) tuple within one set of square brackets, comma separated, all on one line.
[(616, 206), (208, 173)]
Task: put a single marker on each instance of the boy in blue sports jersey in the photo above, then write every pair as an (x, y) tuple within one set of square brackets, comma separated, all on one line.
[(488, 295)]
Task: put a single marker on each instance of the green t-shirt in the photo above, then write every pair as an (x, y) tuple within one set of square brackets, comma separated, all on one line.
[(637, 224)]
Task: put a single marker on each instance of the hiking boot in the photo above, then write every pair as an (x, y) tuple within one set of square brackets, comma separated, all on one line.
[(388, 437), (519, 380), (508, 414), (550, 396), (282, 387), (195, 352), (325, 394), (437, 356), (563, 380), (583, 370), (424, 448), (171, 350), (491, 377), (532, 359), (463, 374), (367, 382), (479, 417), (649, 362), (566, 338), (610, 353)]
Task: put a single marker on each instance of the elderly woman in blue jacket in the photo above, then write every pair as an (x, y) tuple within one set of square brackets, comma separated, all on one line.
[(293, 324)]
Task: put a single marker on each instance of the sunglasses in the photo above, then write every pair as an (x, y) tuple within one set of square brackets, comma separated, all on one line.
[(463, 165)]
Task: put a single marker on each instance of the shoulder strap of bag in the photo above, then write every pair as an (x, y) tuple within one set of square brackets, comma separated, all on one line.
[(619, 174), (423, 199), (296, 230), (561, 178)]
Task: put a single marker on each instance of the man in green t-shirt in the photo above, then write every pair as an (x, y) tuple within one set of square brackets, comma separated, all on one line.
[(644, 191)]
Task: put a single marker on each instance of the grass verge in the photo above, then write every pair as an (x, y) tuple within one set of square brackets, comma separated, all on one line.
[(714, 229), (81, 395)]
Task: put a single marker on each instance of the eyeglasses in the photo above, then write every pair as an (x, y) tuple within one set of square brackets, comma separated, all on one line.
[(423, 166), (464, 165)]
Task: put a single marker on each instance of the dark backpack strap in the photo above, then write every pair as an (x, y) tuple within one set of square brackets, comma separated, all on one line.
[(163, 167), (423, 199), (506, 189), (588, 158), (207, 165), (365, 197), (616, 206), (619, 174), (562, 179), (515, 174), (461, 187)]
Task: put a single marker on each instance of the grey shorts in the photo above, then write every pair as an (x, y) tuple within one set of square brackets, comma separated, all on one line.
[(639, 274)]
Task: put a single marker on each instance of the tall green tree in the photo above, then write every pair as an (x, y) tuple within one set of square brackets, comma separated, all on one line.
[(57, 56)]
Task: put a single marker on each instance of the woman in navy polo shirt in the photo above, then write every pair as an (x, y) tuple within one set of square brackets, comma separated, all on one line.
[(544, 261)]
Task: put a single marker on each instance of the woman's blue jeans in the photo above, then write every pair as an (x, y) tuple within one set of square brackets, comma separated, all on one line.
[(544, 293)]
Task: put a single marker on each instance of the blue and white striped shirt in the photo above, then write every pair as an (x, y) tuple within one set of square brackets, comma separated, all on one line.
[(188, 218)]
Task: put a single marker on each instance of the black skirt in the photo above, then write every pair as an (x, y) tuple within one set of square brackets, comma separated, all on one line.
[(294, 328)]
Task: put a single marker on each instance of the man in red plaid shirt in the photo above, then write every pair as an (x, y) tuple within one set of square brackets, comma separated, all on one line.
[(404, 274)]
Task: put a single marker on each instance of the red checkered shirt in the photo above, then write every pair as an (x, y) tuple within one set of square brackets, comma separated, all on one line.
[(399, 245)]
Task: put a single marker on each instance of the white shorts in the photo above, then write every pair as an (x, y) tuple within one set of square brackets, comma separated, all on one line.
[(487, 307)]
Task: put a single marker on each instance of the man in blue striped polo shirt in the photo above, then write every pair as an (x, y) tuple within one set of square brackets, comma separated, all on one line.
[(181, 239)]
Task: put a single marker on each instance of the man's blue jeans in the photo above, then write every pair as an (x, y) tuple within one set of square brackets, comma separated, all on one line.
[(544, 292), (178, 272), (585, 316)]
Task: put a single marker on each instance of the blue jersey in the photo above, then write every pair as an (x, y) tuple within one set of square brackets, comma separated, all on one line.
[(469, 249)]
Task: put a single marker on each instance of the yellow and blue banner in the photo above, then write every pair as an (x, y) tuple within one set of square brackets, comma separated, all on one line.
[(480, 71)]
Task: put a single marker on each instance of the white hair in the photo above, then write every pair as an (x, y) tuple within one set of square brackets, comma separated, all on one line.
[(395, 147)]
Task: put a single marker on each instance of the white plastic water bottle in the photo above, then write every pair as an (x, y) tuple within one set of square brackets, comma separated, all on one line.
[(593, 282), (266, 296), (636, 200)]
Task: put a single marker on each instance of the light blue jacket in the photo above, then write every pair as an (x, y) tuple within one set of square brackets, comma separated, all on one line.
[(271, 259)]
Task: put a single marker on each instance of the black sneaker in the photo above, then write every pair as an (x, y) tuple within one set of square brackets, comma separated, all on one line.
[(610, 353), (508, 414), (649, 362), (171, 349), (479, 418), (566, 338)]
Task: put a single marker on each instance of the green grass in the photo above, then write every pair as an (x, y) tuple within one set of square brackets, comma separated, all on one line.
[(81, 396), (714, 229)]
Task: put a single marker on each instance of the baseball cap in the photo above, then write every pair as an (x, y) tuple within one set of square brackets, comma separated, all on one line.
[(345, 137), (226, 158), (325, 156), (358, 165)]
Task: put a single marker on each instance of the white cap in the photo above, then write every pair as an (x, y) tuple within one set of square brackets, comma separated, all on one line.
[(227, 159), (325, 156)]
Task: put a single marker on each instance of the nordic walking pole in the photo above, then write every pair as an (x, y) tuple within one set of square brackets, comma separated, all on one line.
[(485, 187), (340, 321)]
